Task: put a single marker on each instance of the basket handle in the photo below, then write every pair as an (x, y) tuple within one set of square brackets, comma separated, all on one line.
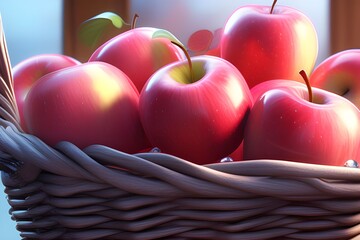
[(9, 114), (8, 108)]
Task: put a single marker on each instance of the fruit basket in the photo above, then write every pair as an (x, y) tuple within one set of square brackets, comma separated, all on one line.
[(101, 193)]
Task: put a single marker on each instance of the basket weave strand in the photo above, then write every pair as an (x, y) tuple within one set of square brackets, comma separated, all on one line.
[(64, 192), (99, 193)]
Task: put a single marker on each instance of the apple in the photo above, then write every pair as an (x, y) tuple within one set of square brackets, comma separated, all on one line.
[(91, 103), (138, 54), (238, 154), (340, 74), (29, 71), (287, 124), (267, 43), (196, 109), (259, 89)]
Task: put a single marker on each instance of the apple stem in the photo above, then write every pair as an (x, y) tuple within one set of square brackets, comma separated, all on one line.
[(188, 59), (134, 20), (306, 79), (273, 6)]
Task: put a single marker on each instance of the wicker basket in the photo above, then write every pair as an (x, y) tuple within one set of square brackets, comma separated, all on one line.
[(100, 193)]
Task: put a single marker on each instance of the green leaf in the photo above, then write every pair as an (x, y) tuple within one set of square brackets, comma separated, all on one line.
[(93, 29), (161, 33)]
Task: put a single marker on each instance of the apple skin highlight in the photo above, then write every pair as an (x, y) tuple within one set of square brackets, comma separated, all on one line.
[(265, 46), (91, 103), (340, 74), (284, 125), (201, 121), (138, 54)]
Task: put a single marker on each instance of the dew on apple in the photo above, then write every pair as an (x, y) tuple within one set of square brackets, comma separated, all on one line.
[(351, 164), (226, 159), (155, 150)]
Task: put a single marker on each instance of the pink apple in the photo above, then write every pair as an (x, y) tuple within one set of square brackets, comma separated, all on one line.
[(259, 89), (30, 70), (284, 125), (201, 119), (340, 74), (267, 44), (92, 103), (138, 54)]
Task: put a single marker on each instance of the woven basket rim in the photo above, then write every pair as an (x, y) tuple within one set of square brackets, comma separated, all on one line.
[(64, 192)]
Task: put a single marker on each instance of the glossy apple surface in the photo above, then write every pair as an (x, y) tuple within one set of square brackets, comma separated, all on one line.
[(340, 74), (138, 54), (259, 89), (92, 103), (238, 154), (284, 125), (265, 46), (201, 120), (28, 72)]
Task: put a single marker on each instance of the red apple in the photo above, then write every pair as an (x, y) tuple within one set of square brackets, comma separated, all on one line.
[(340, 74), (199, 118), (29, 71), (238, 154), (267, 43), (283, 124), (259, 89), (92, 103), (138, 54)]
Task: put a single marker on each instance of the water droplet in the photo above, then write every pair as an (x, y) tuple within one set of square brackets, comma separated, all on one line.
[(155, 150), (351, 163), (227, 159)]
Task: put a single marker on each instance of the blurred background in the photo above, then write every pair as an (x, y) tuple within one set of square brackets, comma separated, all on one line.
[(42, 26)]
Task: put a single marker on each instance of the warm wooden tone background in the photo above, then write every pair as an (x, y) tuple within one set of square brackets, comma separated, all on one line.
[(76, 12), (344, 25)]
